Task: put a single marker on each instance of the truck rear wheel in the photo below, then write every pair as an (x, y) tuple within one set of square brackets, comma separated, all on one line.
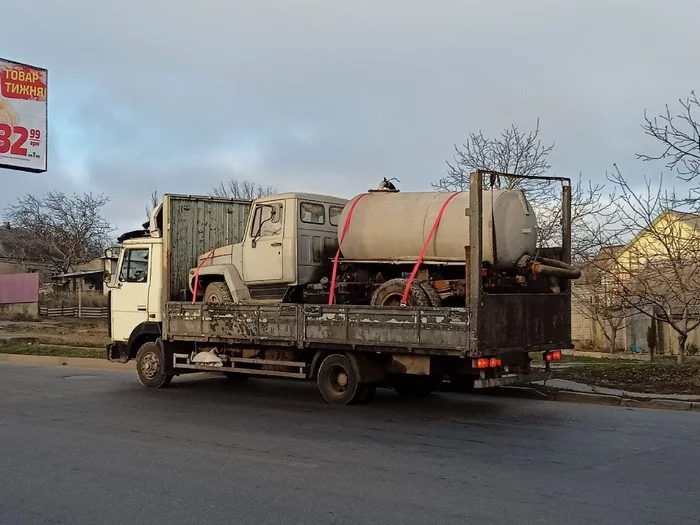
[(150, 366), (390, 293), (432, 294), (337, 381), (217, 292)]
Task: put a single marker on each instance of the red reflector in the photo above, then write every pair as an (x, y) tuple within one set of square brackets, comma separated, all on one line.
[(556, 355), (482, 362), (494, 362)]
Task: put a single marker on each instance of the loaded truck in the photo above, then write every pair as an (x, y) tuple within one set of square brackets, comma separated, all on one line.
[(392, 289)]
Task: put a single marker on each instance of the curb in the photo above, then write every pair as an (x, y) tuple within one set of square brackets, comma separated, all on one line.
[(567, 396), (78, 362)]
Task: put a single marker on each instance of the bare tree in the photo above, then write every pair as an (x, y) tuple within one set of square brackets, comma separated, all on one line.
[(57, 229), (679, 136), (242, 189), (513, 152), (658, 272), (524, 153), (596, 300)]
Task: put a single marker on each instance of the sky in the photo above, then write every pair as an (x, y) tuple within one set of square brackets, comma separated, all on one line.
[(330, 97)]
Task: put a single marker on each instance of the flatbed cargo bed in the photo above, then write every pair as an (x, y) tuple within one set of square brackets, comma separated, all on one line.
[(434, 331)]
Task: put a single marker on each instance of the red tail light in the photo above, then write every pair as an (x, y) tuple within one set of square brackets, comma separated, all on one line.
[(485, 362), (553, 356)]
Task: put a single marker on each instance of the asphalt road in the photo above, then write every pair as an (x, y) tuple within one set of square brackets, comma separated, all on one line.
[(94, 447)]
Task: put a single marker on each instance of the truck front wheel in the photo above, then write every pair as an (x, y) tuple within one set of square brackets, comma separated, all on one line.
[(217, 292), (150, 366), (338, 382)]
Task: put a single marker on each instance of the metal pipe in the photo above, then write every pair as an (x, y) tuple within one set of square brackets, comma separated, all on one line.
[(566, 222), (555, 271), (554, 262)]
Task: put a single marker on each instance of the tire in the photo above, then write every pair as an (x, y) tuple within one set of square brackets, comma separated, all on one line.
[(217, 292), (150, 366), (337, 381), (415, 387), (391, 292), (432, 294)]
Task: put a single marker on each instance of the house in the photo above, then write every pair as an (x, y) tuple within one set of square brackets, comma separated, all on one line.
[(12, 262), (90, 275), (659, 266)]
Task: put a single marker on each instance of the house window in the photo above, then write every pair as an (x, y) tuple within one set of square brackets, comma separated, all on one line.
[(312, 213), (334, 214), (134, 266)]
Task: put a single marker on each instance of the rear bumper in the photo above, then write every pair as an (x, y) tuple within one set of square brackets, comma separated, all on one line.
[(117, 352), (509, 379)]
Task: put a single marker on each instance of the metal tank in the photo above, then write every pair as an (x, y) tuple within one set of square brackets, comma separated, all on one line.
[(393, 226)]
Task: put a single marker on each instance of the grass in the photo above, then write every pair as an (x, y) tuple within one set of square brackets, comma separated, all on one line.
[(29, 348), (660, 377)]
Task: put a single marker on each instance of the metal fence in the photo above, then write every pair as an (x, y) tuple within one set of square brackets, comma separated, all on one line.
[(87, 312)]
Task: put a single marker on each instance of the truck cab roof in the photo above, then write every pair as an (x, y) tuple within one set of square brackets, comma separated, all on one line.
[(304, 196)]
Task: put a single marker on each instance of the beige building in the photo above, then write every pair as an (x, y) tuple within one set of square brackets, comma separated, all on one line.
[(595, 310)]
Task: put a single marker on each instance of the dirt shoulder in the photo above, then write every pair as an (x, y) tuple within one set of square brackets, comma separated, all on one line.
[(91, 333)]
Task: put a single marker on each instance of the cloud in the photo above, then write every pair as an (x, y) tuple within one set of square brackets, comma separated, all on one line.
[(330, 97)]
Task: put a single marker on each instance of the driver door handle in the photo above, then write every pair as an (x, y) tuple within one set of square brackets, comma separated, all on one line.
[(276, 244), (141, 308)]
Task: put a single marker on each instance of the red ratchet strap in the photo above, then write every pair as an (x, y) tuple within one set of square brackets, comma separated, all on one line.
[(196, 275), (334, 275), (412, 278)]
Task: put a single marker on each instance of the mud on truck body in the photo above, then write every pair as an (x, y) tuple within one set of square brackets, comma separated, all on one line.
[(402, 290)]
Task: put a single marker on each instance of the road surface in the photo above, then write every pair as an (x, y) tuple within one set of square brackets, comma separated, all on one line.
[(93, 447)]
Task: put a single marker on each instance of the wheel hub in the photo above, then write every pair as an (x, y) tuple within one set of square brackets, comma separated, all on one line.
[(150, 365)]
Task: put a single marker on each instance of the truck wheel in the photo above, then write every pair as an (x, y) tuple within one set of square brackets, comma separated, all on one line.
[(432, 294), (391, 292), (150, 366), (217, 292), (337, 381)]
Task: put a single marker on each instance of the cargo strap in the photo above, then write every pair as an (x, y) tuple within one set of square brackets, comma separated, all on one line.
[(196, 275), (404, 298), (334, 275)]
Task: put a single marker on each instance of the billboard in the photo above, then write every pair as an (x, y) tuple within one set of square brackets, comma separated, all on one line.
[(23, 116)]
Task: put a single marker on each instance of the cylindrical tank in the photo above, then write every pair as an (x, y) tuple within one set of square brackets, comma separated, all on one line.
[(393, 226)]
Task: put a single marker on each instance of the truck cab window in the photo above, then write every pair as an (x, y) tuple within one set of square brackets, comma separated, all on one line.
[(334, 214), (134, 266), (267, 221), (312, 213)]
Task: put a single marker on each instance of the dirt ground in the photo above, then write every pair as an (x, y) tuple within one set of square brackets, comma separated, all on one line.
[(90, 333), (655, 378)]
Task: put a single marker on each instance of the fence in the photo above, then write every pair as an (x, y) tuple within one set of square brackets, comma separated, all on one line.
[(87, 312)]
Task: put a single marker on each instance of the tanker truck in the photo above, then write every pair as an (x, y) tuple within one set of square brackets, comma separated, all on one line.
[(388, 289)]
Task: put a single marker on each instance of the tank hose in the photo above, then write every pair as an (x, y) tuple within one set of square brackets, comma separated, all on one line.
[(404, 298), (334, 274)]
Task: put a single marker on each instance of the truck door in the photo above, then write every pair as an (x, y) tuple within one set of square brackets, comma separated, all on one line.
[(129, 297), (263, 247)]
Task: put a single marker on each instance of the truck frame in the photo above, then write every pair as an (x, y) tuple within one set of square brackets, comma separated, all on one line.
[(350, 350)]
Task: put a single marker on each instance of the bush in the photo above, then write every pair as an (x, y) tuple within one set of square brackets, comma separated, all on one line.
[(57, 299)]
